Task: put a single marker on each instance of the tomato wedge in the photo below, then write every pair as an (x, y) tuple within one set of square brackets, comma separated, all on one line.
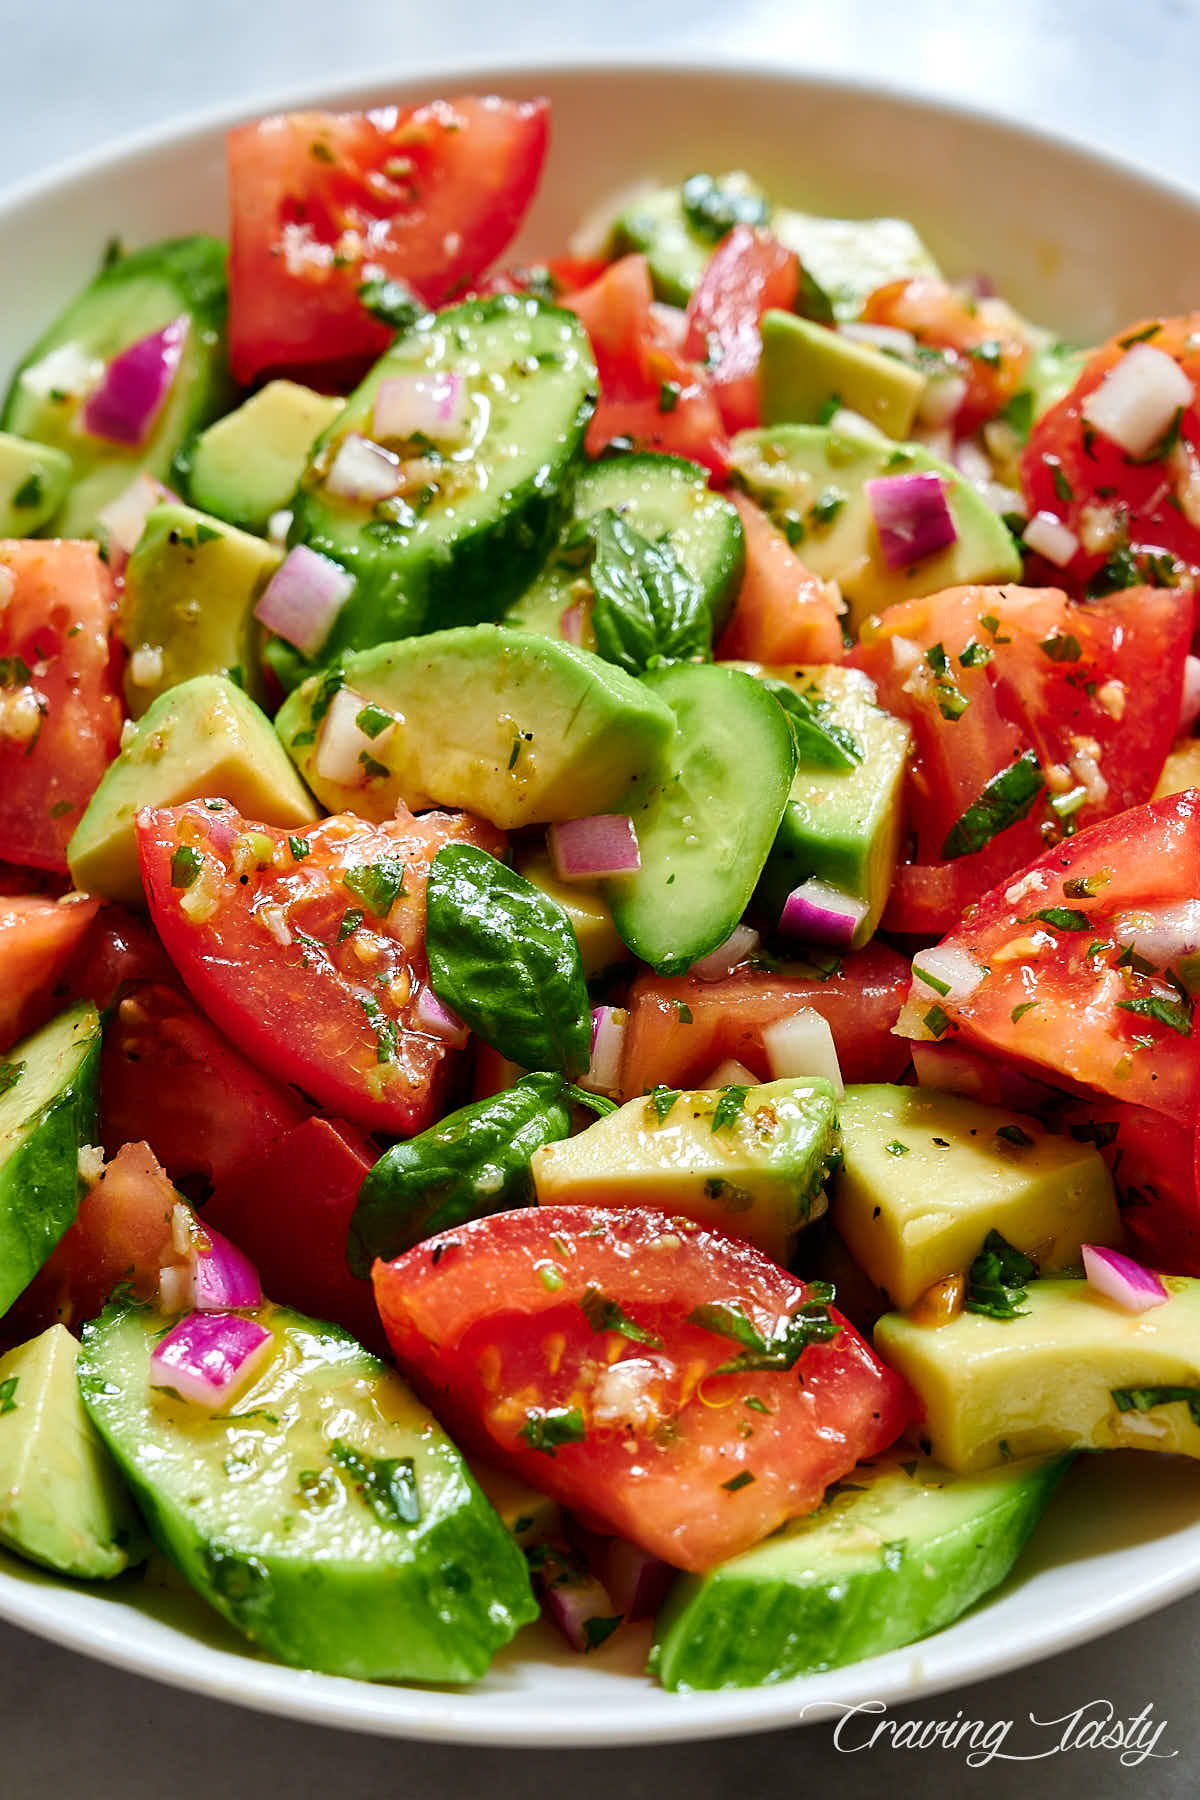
[(982, 340), (783, 612), (39, 939), (582, 1347), (323, 202), (748, 273), (309, 953)]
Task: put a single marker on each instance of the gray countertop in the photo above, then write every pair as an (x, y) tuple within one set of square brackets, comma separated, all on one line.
[(1116, 75)]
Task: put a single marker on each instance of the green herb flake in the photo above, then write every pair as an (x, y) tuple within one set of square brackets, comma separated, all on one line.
[(598, 1630), (1062, 648), (997, 1277), (378, 885), (8, 1394), (1062, 918), (685, 1012), (1018, 414), (826, 507), (546, 1430), (1006, 798), (31, 492), (352, 918), (385, 1030), (991, 625), (1013, 1134), (975, 655), (388, 1484), (393, 303), (663, 1099), (736, 1482), (896, 1148), (811, 1323), (10, 1074), (549, 1277), (754, 1404), (603, 1314), (299, 847), (1062, 487), (668, 396), (712, 211), (1145, 1399), (1159, 451), (1176, 1015), (936, 1021), (372, 719), (1139, 337), (729, 1106), (1018, 1012), (377, 771), (186, 864), (934, 981)]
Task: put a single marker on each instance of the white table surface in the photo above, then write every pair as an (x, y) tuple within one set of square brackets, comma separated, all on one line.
[(1118, 73)]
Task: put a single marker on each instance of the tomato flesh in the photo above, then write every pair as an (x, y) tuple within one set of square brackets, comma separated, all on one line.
[(982, 342), (39, 940), (783, 612), (748, 273)]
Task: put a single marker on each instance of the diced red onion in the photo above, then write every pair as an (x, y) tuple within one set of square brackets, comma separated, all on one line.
[(124, 407), (436, 1018), (954, 973), (570, 1604), (591, 849), (209, 1356), (303, 598), (981, 286), (635, 1582), (1138, 398), (435, 406), (742, 942), (802, 1045), (1047, 534), (342, 745), (123, 519), (609, 1025), (1189, 705), (911, 516), (362, 470), (880, 337), (570, 626), (1122, 1280), (816, 913), (220, 1276)]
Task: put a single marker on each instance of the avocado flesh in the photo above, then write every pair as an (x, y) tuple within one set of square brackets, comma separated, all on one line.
[(1043, 1382), (512, 727), (203, 739), (927, 1176), (191, 586), (262, 1514), (760, 1176), (805, 368), (793, 469), (584, 904), (248, 465), (62, 1502), (34, 479), (899, 1549)]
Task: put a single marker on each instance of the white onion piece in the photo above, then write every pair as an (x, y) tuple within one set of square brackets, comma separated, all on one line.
[(208, 1357), (278, 526), (742, 941), (730, 1073), (801, 1045), (973, 462), (435, 406), (1133, 1288), (880, 337), (941, 399), (609, 1025), (1051, 538), (671, 321), (1138, 398), (573, 1604), (1162, 934), (1189, 705), (954, 973), (303, 598), (342, 746), (122, 519), (362, 470)]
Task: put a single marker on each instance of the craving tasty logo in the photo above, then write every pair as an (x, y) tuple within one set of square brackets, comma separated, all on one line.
[(1093, 1726)]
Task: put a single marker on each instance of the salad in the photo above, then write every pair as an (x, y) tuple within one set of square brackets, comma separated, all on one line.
[(599, 916)]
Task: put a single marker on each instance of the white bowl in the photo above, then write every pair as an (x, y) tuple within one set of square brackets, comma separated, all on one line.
[(1083, 244)]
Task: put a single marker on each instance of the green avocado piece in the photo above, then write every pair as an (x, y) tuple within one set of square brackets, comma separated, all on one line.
[(899, 1549), (811, 481), (850, 258), (203, 739), (806, 368), (510, 726), (34, 479), (583, 902), (191, 586), (1072, 1371), (928, 1175), (1053, 372), (322, 1511), (62, 1502), (751, 1162), (248, 465), (656, 224), (48, 1098)]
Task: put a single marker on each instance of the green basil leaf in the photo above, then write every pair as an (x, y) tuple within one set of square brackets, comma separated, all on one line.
[(1145, 1399), (647, 608), (712, 211), (996, 1279), (819, 739), (1003, 800)]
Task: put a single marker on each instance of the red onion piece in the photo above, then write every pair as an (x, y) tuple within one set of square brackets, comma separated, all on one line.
[(591, 849), (570, 1604), (221, 1276), (123, 519), (135, 385), (209, 1356), (435, 1017), (742, 942), (303, 598), (819, 914), (1122, 1280), (570, 626), (434, 406), (634, 1581), (365, 471), (1135, 403), (911, 516), (802, 1046), (609, 1024), (1189, 705)]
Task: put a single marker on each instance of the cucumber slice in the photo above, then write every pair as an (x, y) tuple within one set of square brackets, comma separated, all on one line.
[(50, 1084), (128, 300), (657, 225), (480, 529), (706, 823), (33, 483), (263, 1506), (898, 1550), (661, 497)]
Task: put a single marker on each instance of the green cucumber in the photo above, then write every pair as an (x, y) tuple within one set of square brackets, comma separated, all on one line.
[(273, 1509), (460, 550), (707, 820), (129, 298), (48, 1096), (33, 483)]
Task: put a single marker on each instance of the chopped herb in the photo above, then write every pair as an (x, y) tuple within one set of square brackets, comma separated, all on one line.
[(648, 609), (991, 625), (975, 655), (214, 806), (663, 1099), (546, 1430), (597, 1631), (1019, 413), (186, 864), (735, 1482), (388, 1484), (378, 885), (1176, 1015), (936, 1021), (1007, 797), (376, 770), (1018, 1012), (934, 981), (1063, 918), (996, 1279), (597, 1103), (205, 534), (729, 1107), (61, 808), (753, 1402), (1098, 945), (392, 303), (1060, 648), (321, 151), (896, 1148), (1166, 443), (811, 1323), (1129, 959), (385, 1030), (685, 1012), (1139, 337), (299, 847), (826, 507), (818, 737), (1062, 487), (351, 920), (831, 406), (550, 1278), (988, 352), (1086, 887), (603, 1314), (1012, 1134), (8, 1392), (1145, 1399), (951, 703), (668, 396), (1005, 1450), (31, 492), (372, 719), (712, 211), (10, 1074), (330, 685)]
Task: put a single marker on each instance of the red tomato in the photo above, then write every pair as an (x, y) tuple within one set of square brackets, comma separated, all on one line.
[(322, 202), (650, 395), (651, 1442), (302, 963), (288, 1206), (783, 612), (1068, 995), (1154, 1165), (557, 277), (1134, 512), (38, 940), (681, 1027), (982, 338), (118, 953), (748, 273), (60, 714)]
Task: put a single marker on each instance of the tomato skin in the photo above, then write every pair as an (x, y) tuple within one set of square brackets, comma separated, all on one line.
[(288, 1205), (471, 1319), (783, 613), (861, 1002), (953, 320), (39, 940), (1067, 469), (637, 365), (567, 275), (119, 953), (57, 623), (749, 273), (428, 195)]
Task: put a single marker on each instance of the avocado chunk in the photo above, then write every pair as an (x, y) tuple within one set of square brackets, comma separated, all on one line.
[(589, 912), (928, 1175), (48, 1098), (844, 814), (1071, 1372), (191, 586), (34, 479), (501, 723), (248, 465), (807, 368), (850, 258), (899, 1549), (329, 1519), (810, 479), (62, 1502), (203, 739), (750, 1162)]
